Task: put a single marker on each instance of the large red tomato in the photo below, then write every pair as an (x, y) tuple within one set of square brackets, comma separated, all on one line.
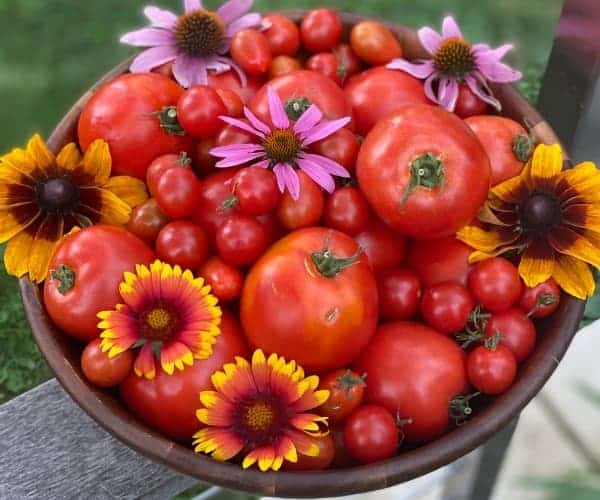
[(84, 276), (414, 371), (423, 171), (378, 92), (231, 81), (168, 403), (123, 112), (311, 297)]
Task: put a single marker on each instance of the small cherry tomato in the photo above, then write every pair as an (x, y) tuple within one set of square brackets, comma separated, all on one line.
[(178, 190), (271, 226), (250, 49), (436, 261), (203, 162), (198, 111), (491, 370), (371, 434), (541, 300), (281, 65), (103, 371), (341, 147), (241, 240), (231, 80), (233, 135), (399, 292), (349, 64), (341, 456), (233, 102), (383, 246), (325, 63), (160, 165), (346, 390), (468, 104), (517, 331), (255, 191), (447, 306), (182, 243), (347, 210), (282, 34), (225, 281), (321, 462), (495, 284), (320, 30), (306, 210), (146, 221), (374, 43)]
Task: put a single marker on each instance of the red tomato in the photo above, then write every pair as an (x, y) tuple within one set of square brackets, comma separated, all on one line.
[(241, 240), (423, 172), (225, 281), (399, 293), (468, 104), (233, 135), (311, 297), (445, 259), (374, 43), (101, 370), (178, 393), (325, 63), (347, 211), (341, 456), (346, 390), (384, 248), (377, 92), (273, 230), (495, 284), (321, 462), (306, 210), (231, 81), (349, 64), (233, 102), (541, 300), (341, 146), (182, 243), (414, 372), (146, 221), (320, 30), (84, 276), (165, 70), (281, 65), (250, 49), (447, 306), (371, 434), (160, 165), (506, 143), (491, 370), (255, 190), (214, 191), (203, 162), (516, 329), (199, 109), (123, 112), (177, 192), (282, 35)]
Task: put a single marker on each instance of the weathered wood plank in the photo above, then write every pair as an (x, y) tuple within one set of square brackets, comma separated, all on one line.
[(52, 449)]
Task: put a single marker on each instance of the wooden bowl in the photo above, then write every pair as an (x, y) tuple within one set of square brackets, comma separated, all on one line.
[(554, 337)]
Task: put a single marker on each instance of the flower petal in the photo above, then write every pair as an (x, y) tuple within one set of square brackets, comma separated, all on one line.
[(160, 18), (279, 176), (251, 20), (16, 254), (46, 240), (448, 93), (498, 72), (513, 190), (429, 38), (239, 159), (153, 57), (546, 164), (278, 115), (149, 37), (175, 354), (308, 119), (129, 189), (39, 152), (482, 91), (192, 5), (330, 166), (428, 87), (242, 125), (222, 444), (291, 180), (569, 242), (144, 365), (317, 174), (485, 241), (97, 162), (305, 444), (69, 157), (255, 122), (537, 263), (574, 277), (233, 9), (13, 221), (450, 28), (419, 69), (324, 129)]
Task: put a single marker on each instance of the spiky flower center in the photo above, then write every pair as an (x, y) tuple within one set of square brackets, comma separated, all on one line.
[(199, 33), (282, 146), (57, 195), (454, 58), (540, 213), (158, 322), (259, 415)]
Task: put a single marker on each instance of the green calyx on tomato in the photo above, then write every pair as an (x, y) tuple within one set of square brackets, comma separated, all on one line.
[(168, 120), (229, 203), (474, 330), (328, 264), (65, 277), (522, 146), (459, 408), (348, 380), (184, 160), (296, 106), (428, 171), (492, 343)]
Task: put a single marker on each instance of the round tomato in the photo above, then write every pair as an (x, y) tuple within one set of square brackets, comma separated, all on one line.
[(160, 165), (384, 248), (447, 306), (347, 211), (468, 104), (232, 101), (341, 146), (146, 221), (517, 331), (378, 92), (84, 276), (311, 297), (423, 171), (321, 462), (491, 370), (349, 64), (231, 134), (255, 191), (203, 162), (371, 434), (541, 300), (250, 50), (182, 243), (177, 192), (374, 43), (320, 30), (414, 372), (495, 284), (346, 390), (199, 109), (282, 35), (231, 81), (101, 370), (133, 113), (241, 240), (325, 63), (225, 281), (281, 65), (306, 210), (399, 293), (168, 403)]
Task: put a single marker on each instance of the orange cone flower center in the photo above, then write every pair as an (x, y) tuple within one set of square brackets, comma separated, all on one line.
[(199, 33), (282, 146), (259, 415), (454, 58), (158, 323)]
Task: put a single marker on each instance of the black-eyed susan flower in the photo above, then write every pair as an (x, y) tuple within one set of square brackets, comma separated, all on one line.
[(168, 313), (43, 197), (549, 217), (260, 409)]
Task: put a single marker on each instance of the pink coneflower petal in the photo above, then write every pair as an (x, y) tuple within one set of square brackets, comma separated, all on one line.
[(153, 57), (317, 174), (160, 18), (479, 88), (262, 164), (448, 93), (324, 129), (235, 149), (420, 70), (149, 37), (255, 122), (290, 179), (428, 87), (243, 125), (192, 5), (248, 21), (485, 51), (498, 72), (183, 70), (308, 120), (233, 9), (429, 39), (450, 28), (217, 64), (240, 73), (327, 164), (278, 115), (239, 159), (279, 177)]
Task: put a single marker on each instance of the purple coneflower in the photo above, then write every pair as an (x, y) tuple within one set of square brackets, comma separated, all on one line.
[(283, 147), (454, 60), (196, 41)]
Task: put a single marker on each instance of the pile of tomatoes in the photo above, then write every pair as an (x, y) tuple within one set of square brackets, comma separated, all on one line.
[(367, 288)]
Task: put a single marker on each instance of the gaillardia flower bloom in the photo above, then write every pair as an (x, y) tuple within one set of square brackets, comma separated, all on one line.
[(454, 60), (283, 147), (259, 409), (43, 197), (196, 41), (550, 217), (168, 313)]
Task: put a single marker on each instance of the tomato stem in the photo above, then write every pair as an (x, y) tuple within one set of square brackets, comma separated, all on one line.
[(184, 160), (65, 277), (522, 146), (428, 171), (296, 106), (460, 409), (168, 120), (229, 203), (542, 300), (348, 380), (328, 264), (492, 343)]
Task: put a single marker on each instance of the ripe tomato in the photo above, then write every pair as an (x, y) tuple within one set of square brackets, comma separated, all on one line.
[(168, 403), (123, 112), (341, 456), (423, 172), (250, 49), (273, 230), (232, 101), (199, 109), (311, 297), (347, 211), (468, 104), (231, 81), (341, 146), (282, 35), (444, 259), (495, 284), (384, 248), (101, 370), (281, 65), (399, 293), (255, 191), (233, 135), (414, 372), (160, 165), (320, 30), (516, 329), (241, 240), (321, 462), (306, 210), (371, 434), (541, 300), (374, 43), (325, 63), (225, 281), (491, 370), (447, 306), (349, 64), (214, 191), (146, 221), (84, 276), (378, 92), (203, 162), (346, 390), (506, 143), (177, 192), (182, 243)]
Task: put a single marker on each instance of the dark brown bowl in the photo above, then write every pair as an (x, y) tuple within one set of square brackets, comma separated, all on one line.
[(62, 354)]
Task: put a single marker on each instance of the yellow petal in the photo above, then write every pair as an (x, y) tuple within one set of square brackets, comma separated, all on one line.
[(485, 241), (18, 167), (572, 243), (10, 225), (45, 242), (40, 153), (97, 162), (16, 255), (511, 190), (114, 210), (585, 180), (574, 277), (546, 164), (537, 263), (132, 191), (69, 157)]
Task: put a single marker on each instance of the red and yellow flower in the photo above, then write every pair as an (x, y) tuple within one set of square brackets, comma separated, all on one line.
[(259, 408), (167, 312)]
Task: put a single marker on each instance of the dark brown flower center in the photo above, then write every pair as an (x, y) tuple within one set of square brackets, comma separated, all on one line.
[(454, 58), (58, 195), (199, 33), (540, 213), (259, 419), (158, 322), (282, 146)]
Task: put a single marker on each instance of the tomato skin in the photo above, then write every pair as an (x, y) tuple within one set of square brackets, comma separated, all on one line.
[(146, 221), (384, 167), (282, 35), (168, 403), (231, 134), (199, 109), (385, 248), (289, 307), (182, 243), (282, 65), (203, 163), (233, 103), (399, 293), (444, 259), (321, 462), (413, 371), (349, 64), (374, 43), (447, 306), (306, 210), (495, 284), (225, 281), (347, 211), (99, 255), (516, 329), (377, 92), (528, 303), (346, 390), (371, 434), (160, 165), (491, 371), (341, 147), (231, 81), (103, 371), (121, 113), (241, 240), (325, 63), (320, 30), (468, 104), (177, 192), (250, 49), (256, 190)]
